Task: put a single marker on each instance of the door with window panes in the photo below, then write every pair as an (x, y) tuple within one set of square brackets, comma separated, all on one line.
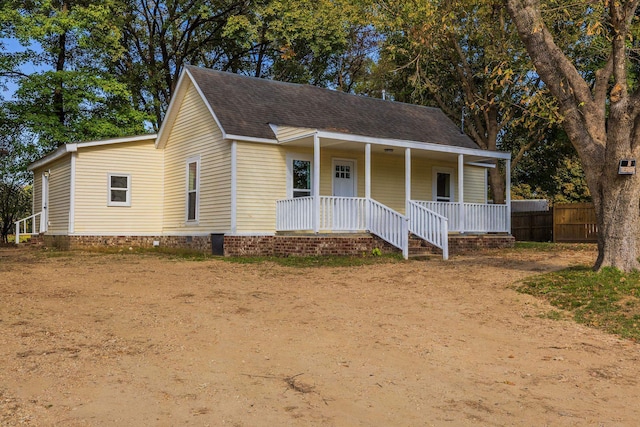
[(344, 184)]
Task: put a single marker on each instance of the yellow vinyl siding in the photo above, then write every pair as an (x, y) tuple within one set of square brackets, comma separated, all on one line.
[(261, 181), (475, 189), (195, 133), (288, 132), (387, 180), (59, 195), (143, 164)]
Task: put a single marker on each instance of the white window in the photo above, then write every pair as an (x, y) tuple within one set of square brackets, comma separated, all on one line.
[(299, 171), (443, 185), (119, 189), (193, 189)]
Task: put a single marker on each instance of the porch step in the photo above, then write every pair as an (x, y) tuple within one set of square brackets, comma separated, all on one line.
[(36, 240), (419, 247)]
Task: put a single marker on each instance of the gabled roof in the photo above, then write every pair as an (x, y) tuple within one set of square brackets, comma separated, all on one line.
[(247, 106)]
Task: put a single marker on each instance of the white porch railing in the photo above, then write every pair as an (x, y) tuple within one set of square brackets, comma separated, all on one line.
[(430, 221), (294, 214), (475, 218), (27, 226), (429, 226), (345, 214), (389, 225)]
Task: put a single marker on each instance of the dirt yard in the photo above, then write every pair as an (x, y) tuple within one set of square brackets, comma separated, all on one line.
[(139, 340)]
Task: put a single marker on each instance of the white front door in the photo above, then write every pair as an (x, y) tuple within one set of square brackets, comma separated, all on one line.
[(344, 178)]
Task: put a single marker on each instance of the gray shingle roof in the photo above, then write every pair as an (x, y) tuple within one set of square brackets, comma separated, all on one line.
[(245, 106)]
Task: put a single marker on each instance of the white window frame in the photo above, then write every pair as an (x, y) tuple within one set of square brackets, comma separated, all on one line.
[(127, 202), (434, 184), (290, 159), (191, 160)]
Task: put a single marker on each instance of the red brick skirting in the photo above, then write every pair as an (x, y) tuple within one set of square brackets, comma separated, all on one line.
[(460, 244), (305, 245), (282, 245)]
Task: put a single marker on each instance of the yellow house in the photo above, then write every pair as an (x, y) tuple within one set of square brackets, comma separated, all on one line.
[(251, 166)]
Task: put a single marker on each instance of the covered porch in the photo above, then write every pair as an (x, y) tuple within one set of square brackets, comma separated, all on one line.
[(428, 190)]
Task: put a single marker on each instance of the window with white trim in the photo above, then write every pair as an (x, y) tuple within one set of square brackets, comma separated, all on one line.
[(443, 185), (193, 188), (119, 189), (299, 168)]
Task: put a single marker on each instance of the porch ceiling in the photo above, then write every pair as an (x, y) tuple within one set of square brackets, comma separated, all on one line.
[(381, 148)]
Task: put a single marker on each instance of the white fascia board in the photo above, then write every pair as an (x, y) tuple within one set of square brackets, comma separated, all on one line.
[(481, 165), (60, 152), (295, 138), (250, 139), (204, 99), (136, 138), (174, 107), (172, 111), (424, 146)]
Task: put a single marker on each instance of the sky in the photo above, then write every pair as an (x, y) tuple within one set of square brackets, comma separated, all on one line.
[(12, 45)]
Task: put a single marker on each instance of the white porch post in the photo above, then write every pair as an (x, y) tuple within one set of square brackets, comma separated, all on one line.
[(507, 192), (407, 179), (367, 171), (316, 183), (234, 186), (44, 208), (461, 192), (72, 195)]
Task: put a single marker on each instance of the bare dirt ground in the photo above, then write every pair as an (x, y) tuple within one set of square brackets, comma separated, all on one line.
[(140, 340)]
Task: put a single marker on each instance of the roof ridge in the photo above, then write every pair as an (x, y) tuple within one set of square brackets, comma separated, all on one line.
[(307, 85)]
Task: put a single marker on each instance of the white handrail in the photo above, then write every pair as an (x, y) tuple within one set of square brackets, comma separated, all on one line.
[(429, 226), (389, 225), (27, 225)]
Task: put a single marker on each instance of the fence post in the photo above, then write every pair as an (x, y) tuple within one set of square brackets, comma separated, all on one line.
[(445, 241), (17, 232)]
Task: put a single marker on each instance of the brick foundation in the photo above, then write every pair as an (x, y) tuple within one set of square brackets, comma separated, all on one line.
[(461, 244), (197, 243), (322, 245), (284, 245)]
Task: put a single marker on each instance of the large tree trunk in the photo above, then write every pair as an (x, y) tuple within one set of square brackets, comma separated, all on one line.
[(618, 227), (617, 204), (601, 120), (497, 185)]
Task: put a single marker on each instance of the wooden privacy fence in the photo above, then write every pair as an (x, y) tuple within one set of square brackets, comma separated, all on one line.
[(532, 226), (564, 223), (575, 223)]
